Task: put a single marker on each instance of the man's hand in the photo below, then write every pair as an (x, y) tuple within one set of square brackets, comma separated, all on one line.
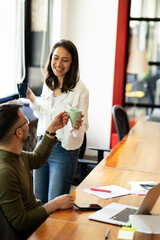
[(59, 121), (62, 202)]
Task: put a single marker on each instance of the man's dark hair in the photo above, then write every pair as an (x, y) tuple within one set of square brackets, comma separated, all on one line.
[(8, 116)]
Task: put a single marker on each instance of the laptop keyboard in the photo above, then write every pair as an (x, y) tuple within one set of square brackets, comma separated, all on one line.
[(123, 216)]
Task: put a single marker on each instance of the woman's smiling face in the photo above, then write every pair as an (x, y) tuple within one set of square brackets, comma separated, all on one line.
[(61, 62)]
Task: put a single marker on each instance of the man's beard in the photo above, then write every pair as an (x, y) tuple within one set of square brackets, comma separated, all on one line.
[(24, 139)]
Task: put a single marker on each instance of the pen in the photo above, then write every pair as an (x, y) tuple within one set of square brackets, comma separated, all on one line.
[(100, 190), (106, 235)]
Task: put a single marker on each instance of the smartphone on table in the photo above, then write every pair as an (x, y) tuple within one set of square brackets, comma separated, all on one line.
[(88, 206), (148, 186)]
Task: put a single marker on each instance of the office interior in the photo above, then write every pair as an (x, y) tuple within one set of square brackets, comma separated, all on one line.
[(104, 32)]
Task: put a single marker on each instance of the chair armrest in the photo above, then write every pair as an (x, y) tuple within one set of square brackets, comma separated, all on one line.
[(85, 161), (99, 149), (100, 152)]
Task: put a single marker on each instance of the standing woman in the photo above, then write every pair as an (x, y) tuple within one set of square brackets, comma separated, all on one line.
[(62, 90)]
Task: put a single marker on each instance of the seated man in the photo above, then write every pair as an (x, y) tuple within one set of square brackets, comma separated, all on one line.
[(17, 199)]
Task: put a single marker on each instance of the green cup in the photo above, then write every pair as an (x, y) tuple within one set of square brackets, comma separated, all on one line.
[(74, 114)]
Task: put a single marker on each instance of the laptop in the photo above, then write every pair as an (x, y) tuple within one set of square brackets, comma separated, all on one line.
[(118, 214)]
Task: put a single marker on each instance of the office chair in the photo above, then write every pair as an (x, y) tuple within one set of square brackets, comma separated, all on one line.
[(122, 125), (6, 231), (121, 121)]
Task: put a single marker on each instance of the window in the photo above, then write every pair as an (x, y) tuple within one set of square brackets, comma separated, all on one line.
[(37, 41), (23, 44), (11, 46), (144, 34)]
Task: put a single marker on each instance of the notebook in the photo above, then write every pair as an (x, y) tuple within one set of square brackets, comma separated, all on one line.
[(118, 214)]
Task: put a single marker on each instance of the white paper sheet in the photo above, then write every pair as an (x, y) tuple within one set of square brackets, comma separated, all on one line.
[(146, 223), (138, 189), (116, 191)]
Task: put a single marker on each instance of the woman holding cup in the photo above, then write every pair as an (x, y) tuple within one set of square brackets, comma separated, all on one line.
[(62, 90)]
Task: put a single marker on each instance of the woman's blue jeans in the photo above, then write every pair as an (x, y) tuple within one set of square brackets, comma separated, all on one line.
[(55, 177)]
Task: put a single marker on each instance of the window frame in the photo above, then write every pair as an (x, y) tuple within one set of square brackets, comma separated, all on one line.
[(151, 63)]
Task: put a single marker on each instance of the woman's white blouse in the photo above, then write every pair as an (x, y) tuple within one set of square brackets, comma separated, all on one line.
[(47, 106)]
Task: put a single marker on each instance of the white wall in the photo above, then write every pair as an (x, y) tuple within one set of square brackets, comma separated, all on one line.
[(91, 25)]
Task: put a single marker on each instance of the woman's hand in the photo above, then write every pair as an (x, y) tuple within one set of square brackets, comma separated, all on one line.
[(30, 95), (79, 122)]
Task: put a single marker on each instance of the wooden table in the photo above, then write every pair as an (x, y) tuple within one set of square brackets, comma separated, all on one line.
[(74, 225), (139, 150), (135, 158)]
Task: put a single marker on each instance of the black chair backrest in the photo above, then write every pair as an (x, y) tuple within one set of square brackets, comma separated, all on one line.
[(83, 147), (121, 121), (6, 231)]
